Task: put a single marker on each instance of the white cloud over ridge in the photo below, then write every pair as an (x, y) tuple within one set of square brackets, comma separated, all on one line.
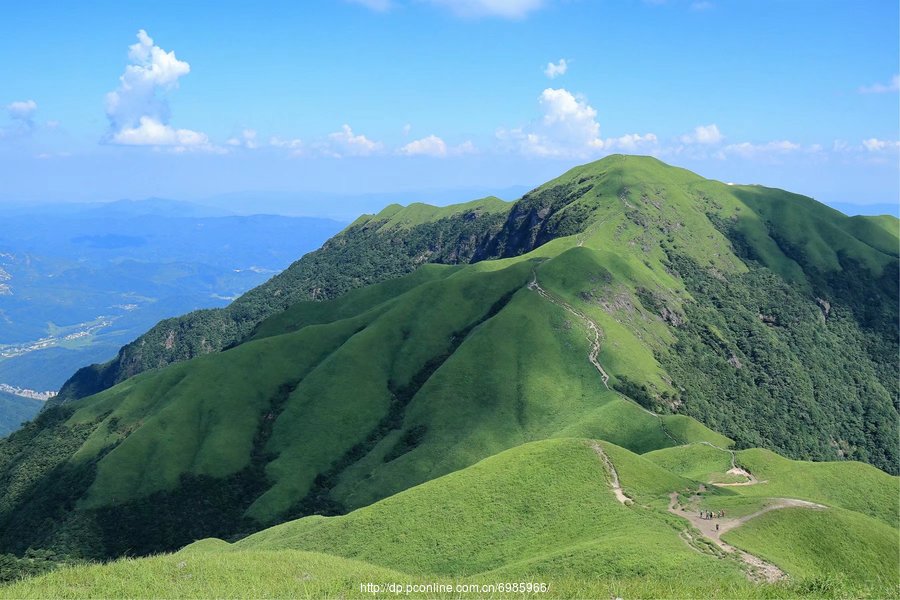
[(554, 70), (138, 114), (568, 127)]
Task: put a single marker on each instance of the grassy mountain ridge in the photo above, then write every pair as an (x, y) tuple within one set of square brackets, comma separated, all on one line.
[(368, 251), (398, 240), (626, 301)]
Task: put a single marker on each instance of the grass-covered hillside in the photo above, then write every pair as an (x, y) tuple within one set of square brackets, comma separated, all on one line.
[(627, 301), (541, 513), (655, 208)]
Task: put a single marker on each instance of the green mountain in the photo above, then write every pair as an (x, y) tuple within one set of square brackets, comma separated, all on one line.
[(550, 512), (626, 301)]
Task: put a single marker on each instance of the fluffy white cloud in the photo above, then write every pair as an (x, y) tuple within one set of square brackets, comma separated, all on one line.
[(882, 88), (137, 112), (703, 134), (432, 145), (554, 70), (876, 145), (346, 143), (568, 128), (427, 146), (150, 132), (22, 110), (507, 9)]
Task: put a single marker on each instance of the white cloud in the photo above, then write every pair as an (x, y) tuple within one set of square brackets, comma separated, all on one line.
[(137, 112), (703, 134), (285, 143), (768, 149), (427, 146), (406, 129), (507, 9), (876, 145), (701, 5), (247, 139), (434, 146), (554, 70), (376, 5), (294, 145), (632, 142), (22, 110), (568, 128), (346, 143), (151, 132), (882, 88)]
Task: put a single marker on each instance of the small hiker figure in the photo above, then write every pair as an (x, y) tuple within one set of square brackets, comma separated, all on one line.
[(717, 526)]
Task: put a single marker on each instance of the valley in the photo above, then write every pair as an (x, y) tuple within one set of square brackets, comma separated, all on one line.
[(81, 280)]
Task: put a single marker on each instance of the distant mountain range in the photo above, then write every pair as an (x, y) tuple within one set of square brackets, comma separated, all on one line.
[(79, 280)]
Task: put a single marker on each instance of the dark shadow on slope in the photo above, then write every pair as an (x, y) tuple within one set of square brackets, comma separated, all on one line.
[(318, 500)]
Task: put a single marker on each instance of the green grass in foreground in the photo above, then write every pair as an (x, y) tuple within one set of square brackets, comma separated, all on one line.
[(543, 512), (297, 574), (808, 542), (544, 507)]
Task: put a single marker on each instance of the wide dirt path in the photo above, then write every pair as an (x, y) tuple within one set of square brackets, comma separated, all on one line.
[(713, 529)]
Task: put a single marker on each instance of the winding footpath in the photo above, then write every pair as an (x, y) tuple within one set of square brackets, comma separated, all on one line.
[(735, 470), (713, 529), (592, 326), (613, 475)]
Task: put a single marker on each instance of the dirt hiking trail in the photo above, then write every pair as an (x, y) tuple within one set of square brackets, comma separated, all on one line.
[(760, 570), (613, 475), (594, 328)]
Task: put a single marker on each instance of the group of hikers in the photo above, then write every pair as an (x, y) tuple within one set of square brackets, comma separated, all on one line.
[(709, 514), (712, 514)]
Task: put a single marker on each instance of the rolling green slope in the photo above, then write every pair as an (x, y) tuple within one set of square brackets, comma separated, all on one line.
[(627, 301), (529, 504), (543, 512), (807, 543), (547, 508), (314, 421)]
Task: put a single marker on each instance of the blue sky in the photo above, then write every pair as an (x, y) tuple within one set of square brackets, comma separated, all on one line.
[(106, 100)]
